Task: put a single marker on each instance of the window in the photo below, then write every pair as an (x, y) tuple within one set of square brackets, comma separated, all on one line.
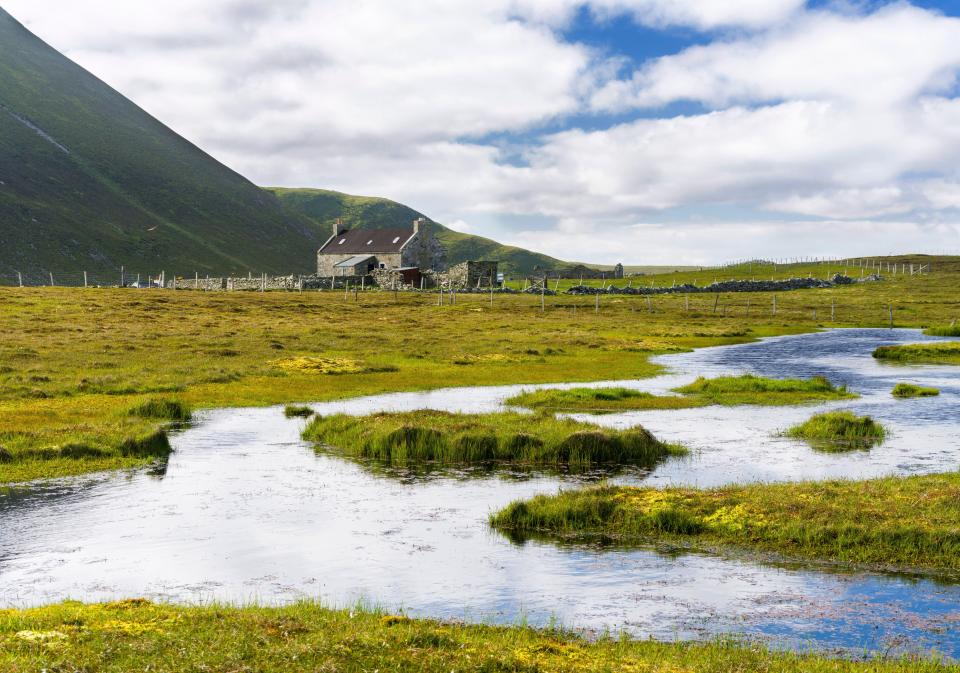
[(342, 241), (396, 240), (383, 266), (370, 242)]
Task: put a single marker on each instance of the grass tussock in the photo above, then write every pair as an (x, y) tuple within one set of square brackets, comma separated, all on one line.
[(449, 439), (887, 523), (599, 399), (297, 411), (838, 431), (138, 635), (160, 409), (939, 352), (908, 390), (751, 389)]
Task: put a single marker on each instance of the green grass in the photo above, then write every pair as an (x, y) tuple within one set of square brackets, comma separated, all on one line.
[(518, 439), (168, 410), (892, 523), (727, 390), (838, 431), (942, 352), (907, 390), (951, 330), (138, 636), (750, 389), (297, 411), (598, 399)]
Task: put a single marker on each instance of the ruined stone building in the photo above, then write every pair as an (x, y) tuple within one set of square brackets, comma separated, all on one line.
[(359, 252)]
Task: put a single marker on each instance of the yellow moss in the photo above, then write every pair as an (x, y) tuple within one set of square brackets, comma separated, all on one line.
[(319, 365), (390, 620), (485, 357), (735, 519), (128, 628)]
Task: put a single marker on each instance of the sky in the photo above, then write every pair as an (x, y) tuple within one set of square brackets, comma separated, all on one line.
[(635, 131)]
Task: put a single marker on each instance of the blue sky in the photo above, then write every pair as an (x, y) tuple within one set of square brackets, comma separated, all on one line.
[(643, 131)]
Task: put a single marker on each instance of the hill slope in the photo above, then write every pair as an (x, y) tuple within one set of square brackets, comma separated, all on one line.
[(88, 180), (325, 206)]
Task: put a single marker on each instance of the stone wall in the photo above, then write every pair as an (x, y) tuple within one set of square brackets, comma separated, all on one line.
[(469, 275), (728, 286)]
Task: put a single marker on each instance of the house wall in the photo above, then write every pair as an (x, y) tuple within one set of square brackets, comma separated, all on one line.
[(327, 262), (424, 252)]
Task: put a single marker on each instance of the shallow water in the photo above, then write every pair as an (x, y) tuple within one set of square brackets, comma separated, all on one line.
[(246, 511)]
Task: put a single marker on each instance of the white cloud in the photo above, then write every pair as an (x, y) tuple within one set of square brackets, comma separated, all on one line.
[(878, 60)]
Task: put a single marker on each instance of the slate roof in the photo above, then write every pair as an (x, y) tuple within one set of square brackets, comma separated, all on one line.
[(353, 261), (368, 241)]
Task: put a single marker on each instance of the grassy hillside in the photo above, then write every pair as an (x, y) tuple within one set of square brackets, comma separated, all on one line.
[(90, 181), (324, 206)]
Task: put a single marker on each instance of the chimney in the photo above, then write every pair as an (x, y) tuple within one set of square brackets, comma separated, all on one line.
[(338, 227), (416, 224)]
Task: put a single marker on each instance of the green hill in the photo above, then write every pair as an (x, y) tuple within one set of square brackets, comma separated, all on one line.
[(89, 181), (325, 206)]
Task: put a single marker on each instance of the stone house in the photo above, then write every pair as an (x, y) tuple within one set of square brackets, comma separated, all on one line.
[(359, 252)]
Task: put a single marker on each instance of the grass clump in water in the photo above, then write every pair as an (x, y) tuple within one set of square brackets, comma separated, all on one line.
[(837, 431), (940, 352), (297, 411), (599, 399), (450, 439), (907, 390), (726, 390), (751, 389), (890, 523), (169, 410)]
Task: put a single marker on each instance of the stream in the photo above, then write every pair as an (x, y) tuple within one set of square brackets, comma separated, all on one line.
[(244, 511)]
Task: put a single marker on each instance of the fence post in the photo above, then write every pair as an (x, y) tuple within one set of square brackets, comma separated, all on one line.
[(833, 310), (543, 295), (123, 279), (890, 310), (20, 278), (85, 279), (597, 307), (686, 303), (716, 301), (774, 304), (51, 279)]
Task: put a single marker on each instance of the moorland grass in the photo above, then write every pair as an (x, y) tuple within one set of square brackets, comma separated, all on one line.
[(751, 389), (939, 352), (951, 330), (896, 522), (297, 411), (135, 635), (908, 390), (520, 439), (838, 431), (725, 390), (162, 409), (72, 361), (598, 399)]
